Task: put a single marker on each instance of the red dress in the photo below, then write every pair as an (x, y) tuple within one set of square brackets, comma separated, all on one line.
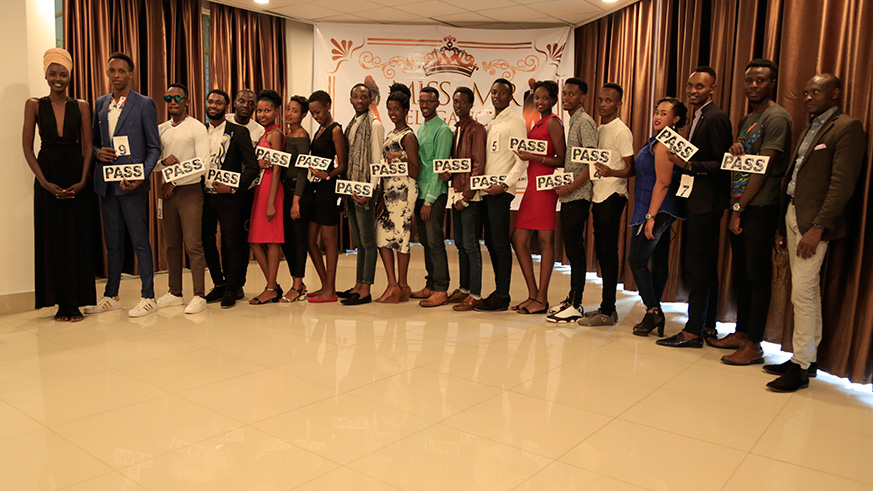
[(262, 231), (537, 208)]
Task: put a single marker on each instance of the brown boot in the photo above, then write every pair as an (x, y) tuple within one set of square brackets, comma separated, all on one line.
[(468, 304), (423, 293), (458, 296), (748, 354), (435, 300), (733, 340)]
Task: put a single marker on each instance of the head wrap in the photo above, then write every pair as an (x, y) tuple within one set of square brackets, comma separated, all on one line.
[(57, 55)]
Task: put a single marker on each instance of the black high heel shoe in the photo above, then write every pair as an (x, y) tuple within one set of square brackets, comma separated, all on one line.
[(651, 321)]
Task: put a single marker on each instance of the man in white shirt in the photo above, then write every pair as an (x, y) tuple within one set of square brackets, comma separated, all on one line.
[(609, 197), (182, 139), (244, 107), (365, 135), (500, 160)]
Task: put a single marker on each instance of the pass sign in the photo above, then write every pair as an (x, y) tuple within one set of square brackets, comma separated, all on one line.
[(384, 169), (226, 177), (482, 182), (551, 181), (539, 147), (590, 156), (364, 189), (306, 160), (753, 164), (183, 169), (451, 165), (680, 146), (274, 157), (119, 172)]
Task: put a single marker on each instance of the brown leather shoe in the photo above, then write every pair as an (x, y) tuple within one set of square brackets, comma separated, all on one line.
[(458, 296), (423, 293), (733, 340), (468, 304), (435, 300), (748, 354)]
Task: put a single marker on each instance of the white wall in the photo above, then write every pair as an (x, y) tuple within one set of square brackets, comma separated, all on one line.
[(31, 22), (298, 40)]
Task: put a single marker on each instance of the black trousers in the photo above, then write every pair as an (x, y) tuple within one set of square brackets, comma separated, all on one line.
[(227, 211), (701, 269), (295, 246), (497, 239), (606, 218), (752, 268), (574, 214)]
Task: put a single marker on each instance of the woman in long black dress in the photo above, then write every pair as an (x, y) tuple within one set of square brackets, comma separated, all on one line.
[(63, 201)]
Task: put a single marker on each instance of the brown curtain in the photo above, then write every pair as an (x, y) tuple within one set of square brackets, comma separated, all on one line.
[(803, 38), (248, 51)]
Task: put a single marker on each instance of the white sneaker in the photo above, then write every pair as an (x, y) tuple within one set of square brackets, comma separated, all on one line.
[(566, 316), (197, 304), (145, 307), (105, 304), (559, 307), (170, 300)]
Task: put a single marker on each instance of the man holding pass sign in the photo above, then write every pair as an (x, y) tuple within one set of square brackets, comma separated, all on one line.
[(125, 113), (185, 149)]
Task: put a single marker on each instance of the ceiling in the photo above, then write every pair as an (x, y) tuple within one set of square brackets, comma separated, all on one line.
[(495, 14)]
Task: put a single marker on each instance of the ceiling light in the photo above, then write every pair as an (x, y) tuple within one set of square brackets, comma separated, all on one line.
[(264, 2), (604, 1)]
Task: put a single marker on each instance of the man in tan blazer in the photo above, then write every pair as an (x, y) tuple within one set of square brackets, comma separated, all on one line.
[(818, 185)]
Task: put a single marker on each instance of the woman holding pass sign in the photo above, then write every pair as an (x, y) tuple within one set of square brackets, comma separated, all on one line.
[(267, 230), (537, 208)]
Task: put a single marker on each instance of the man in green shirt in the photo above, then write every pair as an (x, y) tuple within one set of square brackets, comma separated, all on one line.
[(434, 142)]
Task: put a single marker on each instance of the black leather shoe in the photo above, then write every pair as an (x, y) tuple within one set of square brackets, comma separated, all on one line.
[(709, 332), (228, 300), (679, 341), (355, 299), (794, 379), (780, 369), (494, 303), (345, 294), (215, 294), (239, 294)]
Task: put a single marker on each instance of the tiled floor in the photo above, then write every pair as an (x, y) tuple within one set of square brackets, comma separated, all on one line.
[(325, 397)]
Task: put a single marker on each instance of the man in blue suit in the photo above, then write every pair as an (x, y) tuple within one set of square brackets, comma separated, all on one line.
[(125, 113)]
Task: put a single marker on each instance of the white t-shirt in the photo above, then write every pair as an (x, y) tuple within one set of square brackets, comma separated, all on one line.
[(186, 140), (256, 131), (499, 159), (615, 136)]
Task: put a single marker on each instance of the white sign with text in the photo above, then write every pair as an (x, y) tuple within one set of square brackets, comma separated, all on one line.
[(452, 165), (311, 161), (385, 169), (120, 172), (753, 164), (482, 182), (226, 177), (187, 168), (275, 157), (590, 156), (674, 141), (364, 189), (538, 147), (552, 181)]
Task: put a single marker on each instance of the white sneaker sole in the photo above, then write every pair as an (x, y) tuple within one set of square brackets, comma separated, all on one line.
[(141, 313), (567, 320), (100, 311)]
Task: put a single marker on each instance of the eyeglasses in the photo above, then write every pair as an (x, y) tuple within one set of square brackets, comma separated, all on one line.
[(177, 98), (422, 101)]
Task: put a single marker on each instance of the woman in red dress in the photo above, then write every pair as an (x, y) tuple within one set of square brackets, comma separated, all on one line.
[(537, 209), (267, 230)]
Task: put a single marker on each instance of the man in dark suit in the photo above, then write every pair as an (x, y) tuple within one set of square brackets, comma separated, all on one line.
[(711, 134), (230, 150), (125, 114), (818, 185)]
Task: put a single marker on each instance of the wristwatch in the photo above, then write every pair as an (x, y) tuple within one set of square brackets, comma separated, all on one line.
[(427, 203), (465, 203), (737, 208), (504, 186), (649, 217)]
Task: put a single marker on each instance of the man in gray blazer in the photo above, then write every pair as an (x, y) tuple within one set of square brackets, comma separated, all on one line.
[(125, 114), (818, 185)]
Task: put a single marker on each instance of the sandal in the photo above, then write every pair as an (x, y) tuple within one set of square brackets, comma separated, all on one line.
[(301, 295), (527, 311), (516, 307), (258, 301)]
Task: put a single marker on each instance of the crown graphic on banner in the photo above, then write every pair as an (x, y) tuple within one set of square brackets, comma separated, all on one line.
[(449, 59)]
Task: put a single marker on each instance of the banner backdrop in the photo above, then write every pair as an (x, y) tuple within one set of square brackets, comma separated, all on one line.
[(440, 57)]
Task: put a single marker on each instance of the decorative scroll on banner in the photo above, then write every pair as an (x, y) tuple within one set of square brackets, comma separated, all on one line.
[(437, 56)]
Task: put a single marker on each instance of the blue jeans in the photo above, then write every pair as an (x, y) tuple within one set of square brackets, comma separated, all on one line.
[(642, 250), (432, 237), (466, 225), (363, 223), (131, 210)]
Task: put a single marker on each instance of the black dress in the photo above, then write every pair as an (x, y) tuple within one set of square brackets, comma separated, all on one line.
[(319, 200), (63, 228)]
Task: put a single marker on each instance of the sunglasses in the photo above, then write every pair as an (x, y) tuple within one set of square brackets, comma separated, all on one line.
[(177, 98)]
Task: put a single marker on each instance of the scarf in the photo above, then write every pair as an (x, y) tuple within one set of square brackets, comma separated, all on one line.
[(360, 154)]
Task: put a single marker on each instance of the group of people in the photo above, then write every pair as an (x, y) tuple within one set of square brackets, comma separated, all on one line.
[(213, 176)]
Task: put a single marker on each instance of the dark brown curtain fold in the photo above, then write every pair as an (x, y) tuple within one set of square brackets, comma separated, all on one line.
[(803, 38)]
